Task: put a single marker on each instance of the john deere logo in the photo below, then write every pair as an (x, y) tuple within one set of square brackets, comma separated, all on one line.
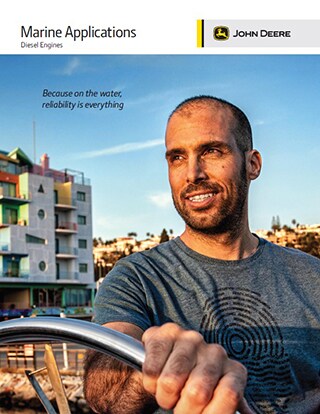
[(221, 33)]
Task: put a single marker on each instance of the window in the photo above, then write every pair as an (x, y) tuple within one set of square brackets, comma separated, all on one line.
[(81, 196), (47, 297), (13, 268), (41, 214), (42, 266), (11, 215), (83, 267), (7, 189), (78, 297), (34, 239), (82, 220), (82, 244), (9, 167)]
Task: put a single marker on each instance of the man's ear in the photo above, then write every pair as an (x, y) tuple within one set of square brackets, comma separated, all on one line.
[(254, 164)]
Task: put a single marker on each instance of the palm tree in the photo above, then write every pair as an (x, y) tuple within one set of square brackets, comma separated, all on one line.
[(132, 234)]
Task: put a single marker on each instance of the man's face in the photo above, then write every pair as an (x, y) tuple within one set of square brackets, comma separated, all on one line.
[(207, 171)]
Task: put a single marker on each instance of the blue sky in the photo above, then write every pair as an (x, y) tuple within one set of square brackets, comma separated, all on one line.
[(122, 151)]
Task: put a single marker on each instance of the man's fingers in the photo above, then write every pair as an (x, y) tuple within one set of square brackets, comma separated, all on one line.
[(198, 390), (190, 376), (228, 395), (178, 368), (157, 351), (171, 354)]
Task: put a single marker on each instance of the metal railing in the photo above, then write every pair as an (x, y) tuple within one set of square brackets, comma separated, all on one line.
[(87, 334), (32, 356), (65, 201), (73, 251), (67, 275), (7, 193), (67, 226), (16, 274), (107, 341)]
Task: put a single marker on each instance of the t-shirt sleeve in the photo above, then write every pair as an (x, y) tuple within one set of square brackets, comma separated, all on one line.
[(122, 298)]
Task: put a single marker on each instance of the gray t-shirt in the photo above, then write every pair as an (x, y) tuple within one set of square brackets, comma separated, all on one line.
[(264, 310)]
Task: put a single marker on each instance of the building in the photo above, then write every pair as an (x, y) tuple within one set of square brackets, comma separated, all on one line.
[(303, 237), (45, 238)]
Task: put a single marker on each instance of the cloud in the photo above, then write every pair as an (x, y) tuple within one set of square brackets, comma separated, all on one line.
[(71, 67), (120, 149), (162, 200), (259, 122), (176, 94)]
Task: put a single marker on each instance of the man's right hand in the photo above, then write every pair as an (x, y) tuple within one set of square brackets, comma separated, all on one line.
[(188, 375)]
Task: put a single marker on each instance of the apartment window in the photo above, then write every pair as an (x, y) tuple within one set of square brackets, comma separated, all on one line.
[(7, 189), (8, 167), (81, 196), (34, 239), (42, 266), (47, 297), (11, 215), (83, 267), (82, 244), (78, 297), (13, 268), (82, 220), (41, 214)]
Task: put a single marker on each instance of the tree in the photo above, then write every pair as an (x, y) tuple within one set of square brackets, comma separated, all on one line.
[(309, 243), (164, 236), (287, 229), (132, 234), (275, 224)]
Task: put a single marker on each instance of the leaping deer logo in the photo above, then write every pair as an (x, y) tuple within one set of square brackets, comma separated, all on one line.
[(221, 33)]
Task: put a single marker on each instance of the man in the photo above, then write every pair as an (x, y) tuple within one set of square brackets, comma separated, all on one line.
[(216, 307)]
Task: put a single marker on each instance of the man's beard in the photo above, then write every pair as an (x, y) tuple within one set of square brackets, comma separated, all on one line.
[(231, 211)]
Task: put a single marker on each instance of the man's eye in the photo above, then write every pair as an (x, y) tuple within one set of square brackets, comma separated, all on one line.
[(176, 158), (213, 151)]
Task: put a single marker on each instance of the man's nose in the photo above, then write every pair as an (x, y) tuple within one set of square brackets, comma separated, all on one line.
[(196, 171)]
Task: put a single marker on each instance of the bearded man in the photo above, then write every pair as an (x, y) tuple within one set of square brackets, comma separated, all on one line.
[(229, 321)]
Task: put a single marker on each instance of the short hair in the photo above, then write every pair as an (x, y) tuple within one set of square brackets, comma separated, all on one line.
[(242, 130)]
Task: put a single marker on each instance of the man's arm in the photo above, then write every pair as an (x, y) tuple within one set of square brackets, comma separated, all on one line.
[(181, 371), (112, 387)]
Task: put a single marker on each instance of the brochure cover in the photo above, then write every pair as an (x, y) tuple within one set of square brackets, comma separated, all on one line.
[(86, 92)]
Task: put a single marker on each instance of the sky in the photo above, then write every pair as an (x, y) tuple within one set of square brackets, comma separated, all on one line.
[(122, 150)]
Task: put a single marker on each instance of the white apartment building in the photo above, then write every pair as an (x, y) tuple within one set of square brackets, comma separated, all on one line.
[(46, 257)]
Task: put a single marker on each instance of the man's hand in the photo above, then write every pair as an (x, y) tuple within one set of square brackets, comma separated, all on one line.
[(188, 375)]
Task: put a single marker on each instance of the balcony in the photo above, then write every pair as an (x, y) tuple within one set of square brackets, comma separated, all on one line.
[(11, 274), (65, 204), (68, 276), (66, 228), (16, 199), (66, 252)]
